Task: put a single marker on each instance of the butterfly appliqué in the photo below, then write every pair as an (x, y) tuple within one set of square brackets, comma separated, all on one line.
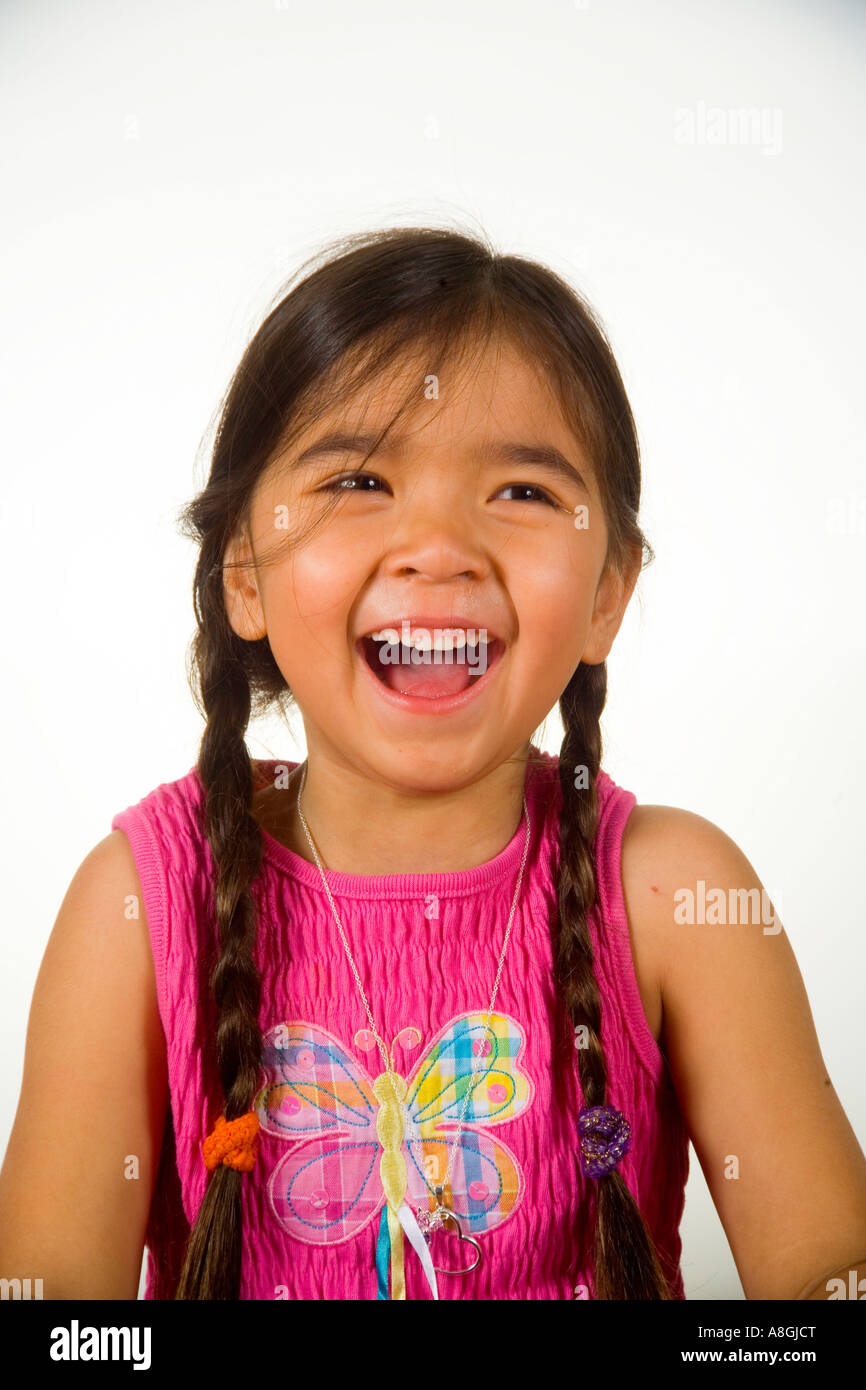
[(327, 1188)]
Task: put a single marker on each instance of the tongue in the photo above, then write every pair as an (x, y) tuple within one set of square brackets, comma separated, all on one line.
[(431, 682)]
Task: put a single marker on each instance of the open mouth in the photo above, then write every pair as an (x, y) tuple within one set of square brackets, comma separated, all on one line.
[(435, 669)]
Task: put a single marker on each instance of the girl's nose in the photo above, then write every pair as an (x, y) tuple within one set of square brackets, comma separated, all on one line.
[(436, 546)]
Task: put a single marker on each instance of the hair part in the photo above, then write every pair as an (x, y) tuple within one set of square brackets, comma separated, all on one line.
[(370, 303)]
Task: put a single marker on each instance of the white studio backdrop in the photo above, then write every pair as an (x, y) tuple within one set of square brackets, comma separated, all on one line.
[(691, 168)]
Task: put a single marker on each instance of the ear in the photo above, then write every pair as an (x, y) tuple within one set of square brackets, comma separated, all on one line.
[(611, 600), (241, 590)]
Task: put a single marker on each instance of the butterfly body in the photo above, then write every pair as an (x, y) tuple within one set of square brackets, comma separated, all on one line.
[(390, 1091)]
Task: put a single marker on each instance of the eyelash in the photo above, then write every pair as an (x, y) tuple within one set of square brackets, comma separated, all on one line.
[(338, 485)]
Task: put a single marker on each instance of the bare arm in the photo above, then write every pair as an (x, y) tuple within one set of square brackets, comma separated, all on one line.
[(94, 1095), (785, 1170)]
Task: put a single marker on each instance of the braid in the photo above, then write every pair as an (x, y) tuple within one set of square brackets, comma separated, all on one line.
[(212, 1267), (625, 1261)]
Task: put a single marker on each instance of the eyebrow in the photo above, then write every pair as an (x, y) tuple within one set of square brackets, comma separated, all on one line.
[(522, 455)]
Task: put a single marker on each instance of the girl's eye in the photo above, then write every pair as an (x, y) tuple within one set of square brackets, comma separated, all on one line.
[(370, 482), (351, 482), (538, 494)]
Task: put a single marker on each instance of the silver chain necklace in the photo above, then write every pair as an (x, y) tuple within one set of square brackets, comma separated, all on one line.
[(442, 1213)]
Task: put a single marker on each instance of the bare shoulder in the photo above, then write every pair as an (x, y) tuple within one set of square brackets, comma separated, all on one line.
[(649, 833), (664, 849), (660, 847), (671, 857)]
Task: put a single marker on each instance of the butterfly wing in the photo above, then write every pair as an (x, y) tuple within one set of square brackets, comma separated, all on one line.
[(313, 1085), (486, 1182), (498, 1091), (326, 1190), (327, 1187)]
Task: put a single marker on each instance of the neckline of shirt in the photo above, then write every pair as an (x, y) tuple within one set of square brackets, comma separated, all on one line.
[(460, 883)]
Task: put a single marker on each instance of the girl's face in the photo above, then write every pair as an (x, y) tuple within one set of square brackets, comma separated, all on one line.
[(448, 526)]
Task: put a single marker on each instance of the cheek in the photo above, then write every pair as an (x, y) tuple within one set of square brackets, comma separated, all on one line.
[(317, 587), (554, 601), (550, 647), (320, 564), (309, 604)]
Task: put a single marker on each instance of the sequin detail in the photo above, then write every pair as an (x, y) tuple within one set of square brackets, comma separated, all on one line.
[(605, 1136)]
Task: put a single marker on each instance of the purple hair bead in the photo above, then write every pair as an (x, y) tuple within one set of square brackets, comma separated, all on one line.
[(605, 1135)]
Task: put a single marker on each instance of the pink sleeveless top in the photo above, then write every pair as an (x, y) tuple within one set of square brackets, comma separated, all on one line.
[(426, 947)]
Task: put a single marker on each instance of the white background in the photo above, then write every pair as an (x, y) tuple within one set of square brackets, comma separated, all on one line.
[(167, 164)]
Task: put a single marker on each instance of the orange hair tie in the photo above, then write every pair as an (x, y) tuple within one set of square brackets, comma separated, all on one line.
[(232, 1142)]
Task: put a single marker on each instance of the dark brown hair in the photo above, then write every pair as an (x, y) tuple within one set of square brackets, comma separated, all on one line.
[(365, 302)]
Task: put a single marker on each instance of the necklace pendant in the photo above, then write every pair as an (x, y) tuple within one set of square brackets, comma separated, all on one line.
[(441, 1218)]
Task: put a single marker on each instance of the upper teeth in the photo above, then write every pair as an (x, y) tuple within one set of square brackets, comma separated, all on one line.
[(436, 640)]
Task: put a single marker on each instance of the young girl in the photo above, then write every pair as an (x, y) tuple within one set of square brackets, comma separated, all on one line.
[(420, 1017)]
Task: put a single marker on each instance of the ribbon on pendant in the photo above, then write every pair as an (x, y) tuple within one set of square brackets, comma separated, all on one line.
[(395, 1233), (383, 1256), (419, 1245), (386, 1248)]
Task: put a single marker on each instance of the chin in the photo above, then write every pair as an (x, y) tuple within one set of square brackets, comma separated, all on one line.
[(434, 764)]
